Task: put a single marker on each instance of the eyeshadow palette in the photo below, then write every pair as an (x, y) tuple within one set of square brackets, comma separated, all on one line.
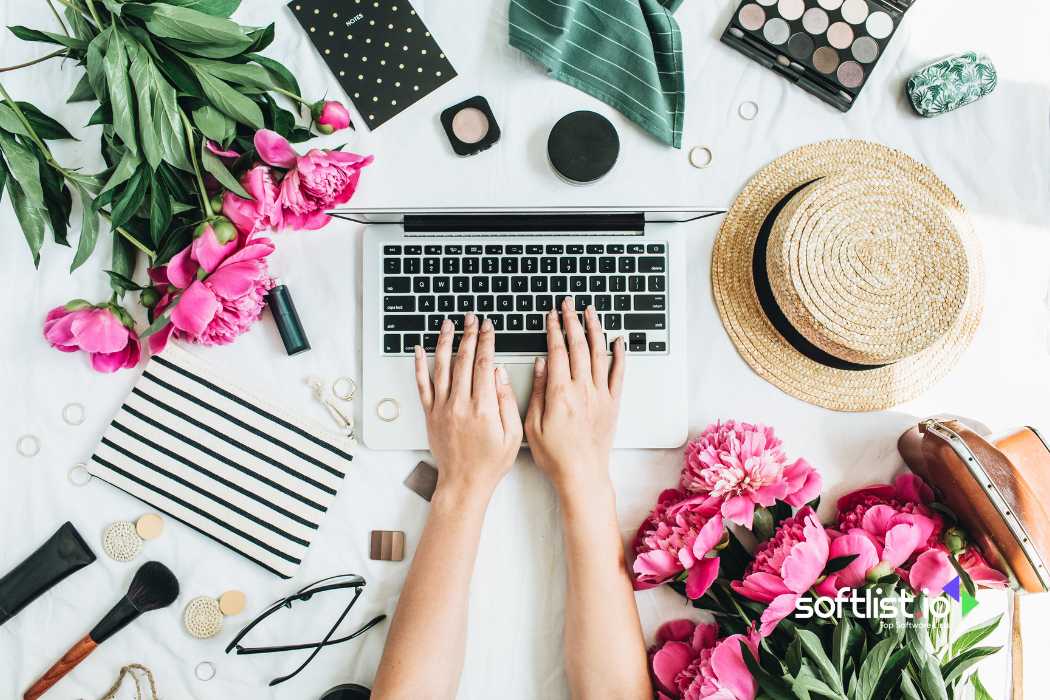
[(827, 47), (381, 52)]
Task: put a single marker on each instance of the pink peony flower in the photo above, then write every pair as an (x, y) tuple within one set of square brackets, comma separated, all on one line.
[(982, 573), (330, 117), (689, 662), (742, 466), (97, 330), (220, 289), (679, 536), (314, 183), (786, 566), (260, 213)]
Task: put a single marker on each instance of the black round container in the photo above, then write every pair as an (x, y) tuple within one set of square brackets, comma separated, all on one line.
[(582, 147)]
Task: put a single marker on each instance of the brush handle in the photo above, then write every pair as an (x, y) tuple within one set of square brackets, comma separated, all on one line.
[(63, 666)]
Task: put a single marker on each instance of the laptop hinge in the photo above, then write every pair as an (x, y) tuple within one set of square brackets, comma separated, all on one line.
[(524, 223)]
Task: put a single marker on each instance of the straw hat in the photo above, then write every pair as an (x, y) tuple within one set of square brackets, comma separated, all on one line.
[(848, 275)]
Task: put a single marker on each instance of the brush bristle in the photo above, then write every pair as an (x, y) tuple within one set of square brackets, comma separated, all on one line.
[(154, 586)]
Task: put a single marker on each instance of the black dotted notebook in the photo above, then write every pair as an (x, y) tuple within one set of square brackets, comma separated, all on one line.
[(379, 50)]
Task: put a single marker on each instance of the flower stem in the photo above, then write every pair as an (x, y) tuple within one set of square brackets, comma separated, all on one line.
[(25, 122), (94, 14), (131, 239), (205, 200), (55, 54), (65, 30), (290, 95)]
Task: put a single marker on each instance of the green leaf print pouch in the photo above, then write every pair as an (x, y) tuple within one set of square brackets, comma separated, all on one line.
[(951, 83)]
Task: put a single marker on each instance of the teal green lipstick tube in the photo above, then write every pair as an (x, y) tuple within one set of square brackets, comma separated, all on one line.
[(287, 319)]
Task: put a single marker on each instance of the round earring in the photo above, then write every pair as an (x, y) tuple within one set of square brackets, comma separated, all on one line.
[(204, 615), (123, 540)]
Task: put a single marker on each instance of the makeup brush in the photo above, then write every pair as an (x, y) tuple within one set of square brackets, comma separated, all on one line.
[(153, 587)]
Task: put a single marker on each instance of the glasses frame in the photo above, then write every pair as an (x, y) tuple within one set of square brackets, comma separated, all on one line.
[(303, 595)]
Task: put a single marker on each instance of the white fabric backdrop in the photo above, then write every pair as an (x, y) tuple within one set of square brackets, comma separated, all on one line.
[(993, 154)]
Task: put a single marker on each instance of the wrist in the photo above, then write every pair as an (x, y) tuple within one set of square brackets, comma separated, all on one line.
[(463, 491), (580, 494)]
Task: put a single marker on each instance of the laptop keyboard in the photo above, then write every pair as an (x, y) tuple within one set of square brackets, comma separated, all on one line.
[(515, 284)]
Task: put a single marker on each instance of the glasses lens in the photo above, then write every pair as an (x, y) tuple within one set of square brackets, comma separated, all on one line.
[(350, 691)]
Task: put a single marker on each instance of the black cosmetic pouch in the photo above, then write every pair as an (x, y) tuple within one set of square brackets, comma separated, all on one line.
[(62, 554)]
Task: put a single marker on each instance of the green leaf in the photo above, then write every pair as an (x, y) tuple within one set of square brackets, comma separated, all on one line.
[(25, 191), (215, 125), (815, 651), (805, 683), (121, 283), (891, 675), (979, 691), (160, 123), (159, 212), (197, 32), (81, 28), (120, 95), (96, 68), (215, 8), (953, 670), (839, 563), (91, 183), (872, 668), (280, 75), (27, 34), (58, 201), (115, 7), (124, 256), (124, 170), (261, 38), (88, 229), (131, 199), (45, 127), (83, 92), (3, 177), (230, 102), (218, 169), (773, 687), (159, 322), (908, 689), (101, 116), (10, 122), (931, 681), (975, 636), (246, 74)]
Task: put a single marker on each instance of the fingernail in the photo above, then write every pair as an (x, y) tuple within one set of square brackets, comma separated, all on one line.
[(541, 366), (486, 326), (590, 311), (470, 320), (446, 326), (620, 341), (419, 350), (569, 301), (501, 372)]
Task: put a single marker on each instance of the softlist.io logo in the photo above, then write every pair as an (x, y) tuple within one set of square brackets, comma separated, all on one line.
[(960, 595), (871, 604)]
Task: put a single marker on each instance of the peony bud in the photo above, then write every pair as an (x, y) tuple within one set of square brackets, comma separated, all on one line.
[(216, 203), (224, 229), (201, 229), (955, 540), (330, 117), (879, 571), (149, 297)]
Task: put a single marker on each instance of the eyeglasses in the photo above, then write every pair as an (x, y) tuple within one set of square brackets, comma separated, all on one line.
[(349, 691), (333, 583)]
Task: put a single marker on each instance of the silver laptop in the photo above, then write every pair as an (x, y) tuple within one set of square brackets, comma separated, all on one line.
[(512, 266)]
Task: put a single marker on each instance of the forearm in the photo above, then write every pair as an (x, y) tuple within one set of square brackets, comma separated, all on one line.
[(604, 647), (423, 657)]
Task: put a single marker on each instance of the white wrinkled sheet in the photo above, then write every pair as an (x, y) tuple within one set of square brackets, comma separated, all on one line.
[(993, 154)]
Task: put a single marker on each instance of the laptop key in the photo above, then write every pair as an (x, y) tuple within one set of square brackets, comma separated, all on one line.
[(460, 285), (392, 266), (636, 342), (454, 249), (434, 322), (397, 285), (636, 283), (486, 303), (654, 248), (655, 264), (497, 321), (465, 303), (577, 284), (432, 250), (603, 302), (521, 342), (490, 266), (622, 302), (567, 266), (479, 285), (595, 249), (505, 303), (431, 266), (612, 322), (657, 347), (635, 248), (441, 285), (475, 250), (427, 303), (515, 322), (618, 284), (471, 266), (626, 265), (430, 342), (450, 266), (403, 322), (420, 285), (500, 284), (514, 249), (411, 340), (544, 302), (413, 250), (508, 266), (529, 265), (582, 301), (391, 250), (650, 302), (493, 250), (614, 249), (646, 322), (657, 283), (559, 284), (392, 343), (596, 284), (534, 322), (555, 249), (538, 284), (411, 266), (574, 249), (548, 266), (519, 284), (588, 266), (446, 302), (524, 303), (606, 265), (457, 321), (533, 250)]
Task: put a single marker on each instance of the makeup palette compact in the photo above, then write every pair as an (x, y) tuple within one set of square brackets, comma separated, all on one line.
[(470, 126), (827, 47)]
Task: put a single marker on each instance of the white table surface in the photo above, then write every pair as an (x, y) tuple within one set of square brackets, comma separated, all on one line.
[(993, 154)]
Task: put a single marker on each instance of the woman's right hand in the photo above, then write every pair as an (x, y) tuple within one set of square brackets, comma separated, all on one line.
[(575, 402)]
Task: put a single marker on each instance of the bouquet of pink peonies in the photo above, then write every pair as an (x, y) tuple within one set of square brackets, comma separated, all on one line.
[(198, 165), (858, 609)]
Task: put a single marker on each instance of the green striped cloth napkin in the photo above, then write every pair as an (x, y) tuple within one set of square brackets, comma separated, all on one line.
[(626, 53)]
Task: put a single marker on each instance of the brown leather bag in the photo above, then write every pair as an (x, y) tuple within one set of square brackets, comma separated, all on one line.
[(999, 488)]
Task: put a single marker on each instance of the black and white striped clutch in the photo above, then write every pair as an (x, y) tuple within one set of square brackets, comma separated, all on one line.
[(225, 463)]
